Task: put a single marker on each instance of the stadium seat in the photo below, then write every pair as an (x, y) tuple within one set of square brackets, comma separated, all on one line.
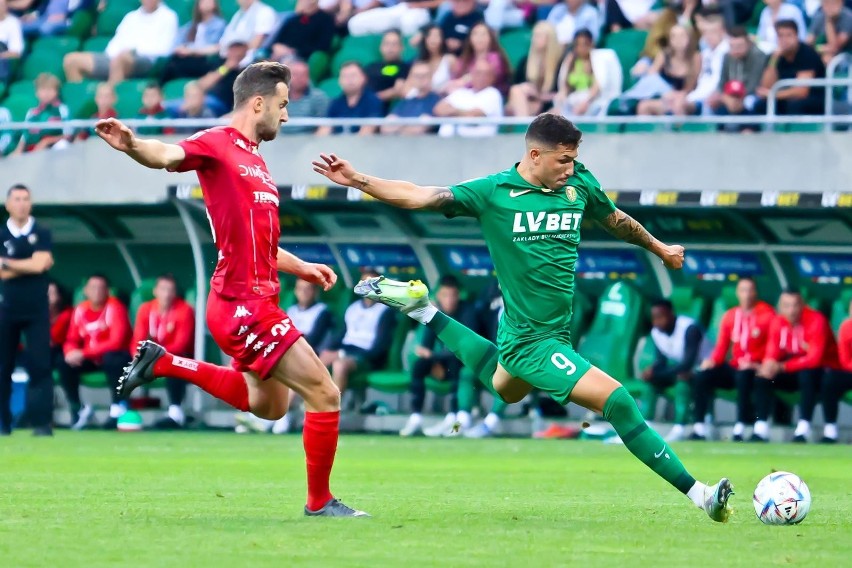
[(331, 87), (57, 44), (318, 64), (174, 89), (393, 378), (643, 127), (144, 292), (628, 44), (19, 104), (42, 61), (840, 309), (111, 17), (697, 127), (582, 315), (25, 88), (804, 127), (129, 95), (81, 23), (80, 98), (643, 357), (96, 44), (183, 9), (363, 49), (282, 5), (686, 303), (229, 8), (516, 43)]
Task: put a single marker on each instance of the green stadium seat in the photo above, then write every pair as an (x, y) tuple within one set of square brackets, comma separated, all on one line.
[(643, 127), (81, 24), (628, 44), (42, 61), (111, 17), (686, 303), (57, 44), (583, 309), (143, 293), (840, 309), (24, 87), (229, 8), (318, 64), (19, 104), (393, 378), (183, 9), (129, 94), (331, 87), (516, 43), (96, 44), (697, 127), (80, 98), (174, 89), (363, 49), (804, 127), (282, 5)]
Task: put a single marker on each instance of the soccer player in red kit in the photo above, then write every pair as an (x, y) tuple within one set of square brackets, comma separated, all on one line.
[(270, 356)]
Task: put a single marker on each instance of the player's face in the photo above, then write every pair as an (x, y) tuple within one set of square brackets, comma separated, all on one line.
[(746, 293), (554, 167), (165, 293), (448, 298), (662, 318), (790, 307), (274, 114), (787, 40), (19, 205), (306, 293), (96, 291)]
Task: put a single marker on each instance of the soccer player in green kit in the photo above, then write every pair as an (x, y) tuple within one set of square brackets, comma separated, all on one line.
[(530, 216)]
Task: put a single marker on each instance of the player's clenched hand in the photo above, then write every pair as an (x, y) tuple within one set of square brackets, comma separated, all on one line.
[(672, 256), (337, 170), (318, 274), (115, 133)]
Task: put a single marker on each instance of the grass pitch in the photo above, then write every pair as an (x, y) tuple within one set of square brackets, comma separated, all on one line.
[(216, 499)]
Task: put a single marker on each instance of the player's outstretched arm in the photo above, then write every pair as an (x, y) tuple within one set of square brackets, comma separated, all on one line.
[(402, 194), (150, 153), (313, 272), (622, 226)]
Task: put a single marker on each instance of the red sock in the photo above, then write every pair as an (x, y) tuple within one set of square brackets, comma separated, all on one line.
[(223, 383), (320, 439)]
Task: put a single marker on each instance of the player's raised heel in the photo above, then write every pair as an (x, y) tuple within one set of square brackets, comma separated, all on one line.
[(335, 508), (716, 503), (140, 371), (404, 296)]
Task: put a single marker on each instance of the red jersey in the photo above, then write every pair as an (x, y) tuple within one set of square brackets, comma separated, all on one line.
[(745, 333), (844, 345), (174, 330), (242, 205), (59, 327), (98, 332), (808, 345)]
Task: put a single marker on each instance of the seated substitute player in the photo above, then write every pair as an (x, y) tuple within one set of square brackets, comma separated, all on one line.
[(530, 215), (743, 331), (680, 345), (801, 346), (169, 321), (270, 357), (837, 382)]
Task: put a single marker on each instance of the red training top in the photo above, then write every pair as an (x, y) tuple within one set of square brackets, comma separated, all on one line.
[(745, 333), (98, 332), (242, 205), (844, 345), (808, 345), (59, 327), (174, 330)]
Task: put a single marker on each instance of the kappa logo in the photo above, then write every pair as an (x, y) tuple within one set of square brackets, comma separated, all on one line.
[(243, 329), (259, 173), (250, 339), (258, 346), (516, 193), (185, 363), (269, 348), (241, 312)]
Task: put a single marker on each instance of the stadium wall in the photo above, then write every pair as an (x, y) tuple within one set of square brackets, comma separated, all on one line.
[(92, 173)]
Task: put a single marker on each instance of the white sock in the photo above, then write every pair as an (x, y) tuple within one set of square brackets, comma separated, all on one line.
[(450, 417), (761, 428), (696, 494), (803, 428), (677, 430), (416, 418), (175, 412), (699, 429), (492, 421), (739, 428), (463, 418), (116, 410), (830, 431), (423, 315)]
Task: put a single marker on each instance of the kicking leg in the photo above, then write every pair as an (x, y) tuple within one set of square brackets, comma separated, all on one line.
[(600, 393)]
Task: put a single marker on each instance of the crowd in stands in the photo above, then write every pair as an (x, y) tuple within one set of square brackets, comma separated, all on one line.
[(699, 57)]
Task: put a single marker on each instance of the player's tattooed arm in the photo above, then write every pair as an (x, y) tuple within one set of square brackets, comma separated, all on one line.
[(441, 200), (624, 227), (408, 195)]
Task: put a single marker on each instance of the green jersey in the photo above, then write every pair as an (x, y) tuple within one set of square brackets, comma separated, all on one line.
[(532, 234)]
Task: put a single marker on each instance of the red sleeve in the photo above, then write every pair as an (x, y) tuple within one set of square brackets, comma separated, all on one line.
[(73, 340), (118, 324), (199, 148), (59, 329), (773, 350), (182, 341), (844, 345), (140, 328), (723, 339), (817, 331)]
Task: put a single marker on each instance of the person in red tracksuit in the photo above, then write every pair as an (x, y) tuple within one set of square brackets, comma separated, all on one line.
[(97, 340), (743, 333), (801, 346), (59, 306), (170, 321), (837, 381)]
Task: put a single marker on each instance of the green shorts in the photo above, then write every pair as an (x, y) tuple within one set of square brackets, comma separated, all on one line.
[(549, 363)]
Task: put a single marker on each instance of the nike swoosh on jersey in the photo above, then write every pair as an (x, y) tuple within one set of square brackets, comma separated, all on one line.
[(514, 193)]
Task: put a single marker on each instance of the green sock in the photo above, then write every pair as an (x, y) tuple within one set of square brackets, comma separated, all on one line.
[(499, 406), (682, 398), (478, 354), (621, 411), (467, 390)]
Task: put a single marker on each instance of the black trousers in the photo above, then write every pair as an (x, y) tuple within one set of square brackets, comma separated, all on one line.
[(834, 385), (192, 66), (112, 365), (724, 376), (176, 389), (423, 367), (36, 329), (805, 382)]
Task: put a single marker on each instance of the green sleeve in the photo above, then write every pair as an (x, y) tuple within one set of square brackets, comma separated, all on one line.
[(471, 197), (598, 204)]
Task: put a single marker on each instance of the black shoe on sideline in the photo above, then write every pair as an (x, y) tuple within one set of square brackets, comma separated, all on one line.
[(800, 439), (43, 431)]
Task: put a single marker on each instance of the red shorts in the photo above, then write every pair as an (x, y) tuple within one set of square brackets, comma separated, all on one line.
[(256, 333)]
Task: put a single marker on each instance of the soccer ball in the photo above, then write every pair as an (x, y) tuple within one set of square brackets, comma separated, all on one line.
[(782, 498)]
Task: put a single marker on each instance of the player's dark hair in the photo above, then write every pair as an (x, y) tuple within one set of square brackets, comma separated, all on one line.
[(738, 32), (551, 130), (16, 187), (449, 281), (664, 304), (100, 276), (791, 292), (393, 31), (259, 79), (65, 298), (747, 279), (168, 277), (153, 86), (787, 24), (352, 63)]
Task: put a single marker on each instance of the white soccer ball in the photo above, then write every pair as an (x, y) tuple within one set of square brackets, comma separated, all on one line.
[(782, 498)]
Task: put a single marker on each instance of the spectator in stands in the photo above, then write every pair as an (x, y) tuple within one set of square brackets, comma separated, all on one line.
[(11, 41), (714, 47), (433, 50), (457, 24), (673, 75), (407, 16), (481, 44), (105, 100), (831, 29), (629, 14), (49, 109), (193, 106), (535, 76), (572, 16), (744, 332), (306, 100), (169, 321), (482, 99), (578, 87), (153, 109), (742, 70), (680, 346), (218, 83), (302, 34), (386, 77), (501, 14), (801, 346), (197, 40), (793, 60), (363, 341), (60, 308), (142, 36), (357, 101), (674, 13), (50, 17), (253, 23), (435, 360), (837, 382), (8, 138), (97, 341), (309, 315), (774, 12), (418, 102)]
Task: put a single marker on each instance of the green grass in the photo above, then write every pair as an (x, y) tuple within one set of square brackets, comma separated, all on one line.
[(197, 499)]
